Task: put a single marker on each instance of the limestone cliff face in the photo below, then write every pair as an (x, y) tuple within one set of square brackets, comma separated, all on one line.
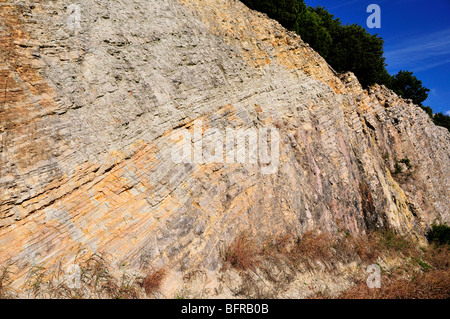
[(87, 117)]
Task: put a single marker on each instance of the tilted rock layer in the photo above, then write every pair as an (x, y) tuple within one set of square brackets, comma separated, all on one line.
[(87, 116)]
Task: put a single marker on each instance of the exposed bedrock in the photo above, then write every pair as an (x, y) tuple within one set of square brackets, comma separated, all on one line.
[(88, 115)]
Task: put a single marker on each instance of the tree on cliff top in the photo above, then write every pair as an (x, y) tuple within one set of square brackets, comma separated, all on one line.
[(405, 84), (286, 12), (346, 48)]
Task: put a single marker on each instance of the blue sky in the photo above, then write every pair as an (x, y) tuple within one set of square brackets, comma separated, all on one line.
[(416, 37)]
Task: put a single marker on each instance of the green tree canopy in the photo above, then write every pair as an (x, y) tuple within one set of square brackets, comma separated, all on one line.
[(354, 49), (405, 84), (346, 48), (442, 120), (286, 12), (313, 30)]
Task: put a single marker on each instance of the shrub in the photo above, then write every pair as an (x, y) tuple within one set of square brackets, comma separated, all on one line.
[(407, 162), (405, 84), (439, 234), (398, 168), (442, 120)]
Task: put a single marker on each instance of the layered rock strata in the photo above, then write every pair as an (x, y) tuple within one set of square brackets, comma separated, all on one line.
[(88, 112)]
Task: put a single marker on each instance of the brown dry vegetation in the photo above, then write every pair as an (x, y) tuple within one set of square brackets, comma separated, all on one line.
[(242, 254), (268, 269), (5, 290), (312, 247), (423, 272), (430, 281), (152, 282), (428, 285), (95, 280)]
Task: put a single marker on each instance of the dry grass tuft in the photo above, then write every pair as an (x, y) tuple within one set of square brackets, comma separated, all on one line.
[(5, 280), (397, 244), (428, 285), (94, 280), (418, 273), (96, 276), (242, 254), (36, 279), (314, 247), (152, 282), (365, 247), (438, 256), (128, 289), (268, 269), (430, 281), (369, 247)]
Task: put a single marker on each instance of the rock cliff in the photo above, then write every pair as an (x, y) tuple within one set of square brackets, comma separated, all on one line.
[(88, 113)]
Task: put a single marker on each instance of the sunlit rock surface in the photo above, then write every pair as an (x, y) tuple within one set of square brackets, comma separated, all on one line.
[(87, 117)]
